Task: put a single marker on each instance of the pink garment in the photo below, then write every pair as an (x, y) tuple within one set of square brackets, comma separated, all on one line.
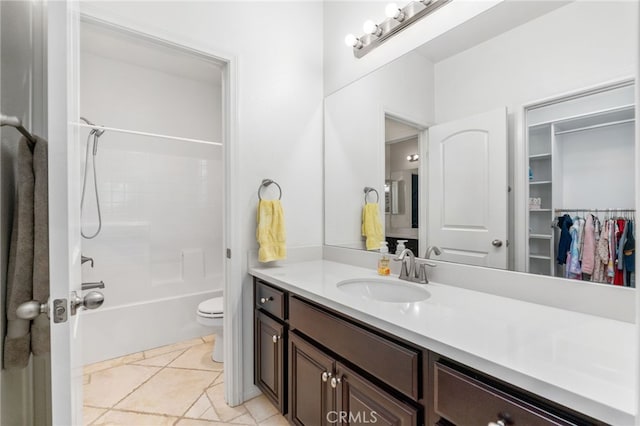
[(589, 247)]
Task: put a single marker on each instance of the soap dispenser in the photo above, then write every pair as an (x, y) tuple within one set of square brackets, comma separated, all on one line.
[(383, 262), (400, 246)]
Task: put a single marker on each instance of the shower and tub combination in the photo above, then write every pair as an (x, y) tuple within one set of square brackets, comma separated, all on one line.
[(152, 195)]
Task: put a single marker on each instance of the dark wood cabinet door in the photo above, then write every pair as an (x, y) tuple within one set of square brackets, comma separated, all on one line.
[(360, 402), (269, 358), (311, 397)]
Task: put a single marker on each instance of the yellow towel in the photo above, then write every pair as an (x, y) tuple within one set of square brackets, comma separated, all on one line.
[(271, 233), (371, 226)]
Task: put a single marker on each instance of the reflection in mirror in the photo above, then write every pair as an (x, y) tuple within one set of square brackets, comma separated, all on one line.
[(547, 102), (402, 164)]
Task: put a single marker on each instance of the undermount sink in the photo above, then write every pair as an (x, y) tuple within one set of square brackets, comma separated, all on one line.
[(384, 290)]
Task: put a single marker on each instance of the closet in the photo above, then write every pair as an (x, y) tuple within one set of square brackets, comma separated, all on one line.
[(581, 163)]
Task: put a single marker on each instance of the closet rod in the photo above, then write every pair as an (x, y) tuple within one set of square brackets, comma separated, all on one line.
[(154, 135), (596, 126), (596, 210)]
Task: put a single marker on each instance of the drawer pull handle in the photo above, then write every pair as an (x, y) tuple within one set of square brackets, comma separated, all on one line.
[(326, 376), (275, 338), (335, 381), (264, 300)]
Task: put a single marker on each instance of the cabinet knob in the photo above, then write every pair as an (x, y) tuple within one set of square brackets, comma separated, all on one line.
[(498, 423), (335, 381), (264, 300), (275, 338), (326, 376)]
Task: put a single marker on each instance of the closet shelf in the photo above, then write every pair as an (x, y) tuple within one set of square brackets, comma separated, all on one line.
[(544, 156), (539, 210), (540, 236), (539, 256), (540, 182)]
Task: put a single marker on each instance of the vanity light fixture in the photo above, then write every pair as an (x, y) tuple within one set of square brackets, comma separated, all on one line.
[(413, 157), (397, 20)]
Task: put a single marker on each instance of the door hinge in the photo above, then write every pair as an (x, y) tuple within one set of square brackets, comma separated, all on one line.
[(228, 253)]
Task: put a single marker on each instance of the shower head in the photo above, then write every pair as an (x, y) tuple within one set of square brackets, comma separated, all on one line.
[(97, 132)]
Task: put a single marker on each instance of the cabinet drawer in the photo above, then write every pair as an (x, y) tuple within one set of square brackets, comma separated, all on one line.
[(386, 360), (464, 400), (270, 299)]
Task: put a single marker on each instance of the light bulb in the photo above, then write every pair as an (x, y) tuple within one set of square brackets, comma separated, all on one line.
[(369, 27), (393, 11), (409, 157), (350, 40)]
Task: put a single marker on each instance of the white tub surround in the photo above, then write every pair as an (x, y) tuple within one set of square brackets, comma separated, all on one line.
[(581, 361)]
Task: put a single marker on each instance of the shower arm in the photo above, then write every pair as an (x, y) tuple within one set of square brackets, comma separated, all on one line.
[(97, 132)]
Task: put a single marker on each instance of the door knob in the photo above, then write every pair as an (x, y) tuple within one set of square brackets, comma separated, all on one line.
[(91, 300), (31, 309), (496, 243)]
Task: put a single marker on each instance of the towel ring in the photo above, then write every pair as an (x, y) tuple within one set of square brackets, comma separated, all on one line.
[(267, 182), (367, 190)]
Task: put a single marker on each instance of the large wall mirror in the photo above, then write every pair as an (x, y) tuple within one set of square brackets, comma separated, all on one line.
[(500, 144)]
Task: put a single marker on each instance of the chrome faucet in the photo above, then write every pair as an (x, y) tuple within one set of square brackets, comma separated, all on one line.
[(416, 271), (432, 249), (84, 259)]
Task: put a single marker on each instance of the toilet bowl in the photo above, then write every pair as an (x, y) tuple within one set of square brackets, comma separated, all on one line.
[(210, 314)]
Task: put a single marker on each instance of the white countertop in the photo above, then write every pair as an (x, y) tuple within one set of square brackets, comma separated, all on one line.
[(581, 361)]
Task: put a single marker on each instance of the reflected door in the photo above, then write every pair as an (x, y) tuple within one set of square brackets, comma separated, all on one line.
[(468, 189)]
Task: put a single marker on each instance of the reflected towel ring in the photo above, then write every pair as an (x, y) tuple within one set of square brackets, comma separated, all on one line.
[(267, 182), (367, 190)]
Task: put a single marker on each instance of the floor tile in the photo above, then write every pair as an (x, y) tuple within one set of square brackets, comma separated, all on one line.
[(193, 422), (107, 387), (226, 413), (245, 419), (89, 414), (260, 408), (172, 391), (124, 418), (161, 360), (198, 357), (110, 363), (208, 338), (219, 379), (277, 420), (170, 348), (202, 409)]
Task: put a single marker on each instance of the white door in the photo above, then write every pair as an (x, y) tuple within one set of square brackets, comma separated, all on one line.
[(64, 211), (468, 189)]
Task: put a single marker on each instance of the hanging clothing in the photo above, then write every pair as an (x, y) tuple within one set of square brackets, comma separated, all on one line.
[(564, 223), (573, 265), (601, 255), (588, 246), (618, 278), (612, 251), (629, 249)]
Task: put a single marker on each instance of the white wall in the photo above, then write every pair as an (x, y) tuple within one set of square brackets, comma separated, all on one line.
[(279, 92), (354, 138)]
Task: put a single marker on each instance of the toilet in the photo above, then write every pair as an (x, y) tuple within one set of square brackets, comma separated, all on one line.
[(210, 314)]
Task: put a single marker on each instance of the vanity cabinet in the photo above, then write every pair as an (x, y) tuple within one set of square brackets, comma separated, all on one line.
[(270, 333), (326, 368)]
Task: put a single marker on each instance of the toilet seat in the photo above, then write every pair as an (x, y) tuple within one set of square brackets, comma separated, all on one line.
[(211, 308)]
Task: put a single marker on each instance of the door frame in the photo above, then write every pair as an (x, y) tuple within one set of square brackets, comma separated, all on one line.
[(233, 324)]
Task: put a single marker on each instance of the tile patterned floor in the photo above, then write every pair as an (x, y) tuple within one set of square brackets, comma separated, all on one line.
[(175, 385)]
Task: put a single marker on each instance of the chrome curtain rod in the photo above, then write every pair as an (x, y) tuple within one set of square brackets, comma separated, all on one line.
[(154, 135), (9, 120)]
